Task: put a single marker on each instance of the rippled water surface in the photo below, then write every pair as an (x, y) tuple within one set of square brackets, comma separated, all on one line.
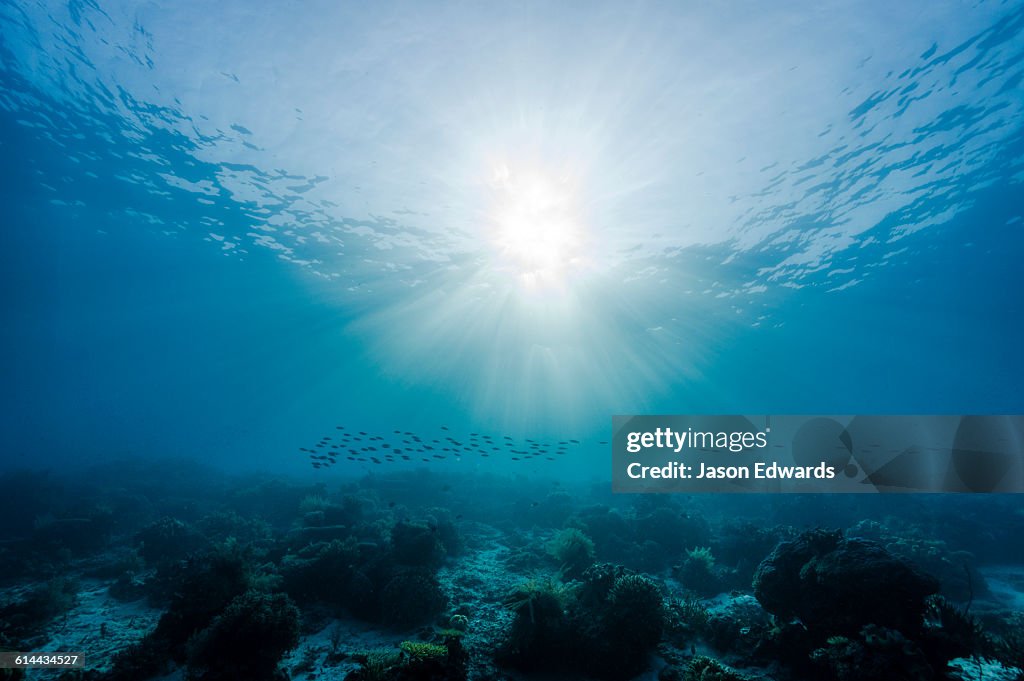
[(226, 228)]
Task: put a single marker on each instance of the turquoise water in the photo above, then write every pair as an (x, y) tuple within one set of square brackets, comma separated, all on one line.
[(227, 230), (315, 317)]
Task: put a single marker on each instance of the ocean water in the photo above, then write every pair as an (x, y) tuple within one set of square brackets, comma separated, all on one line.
[(232, 231)]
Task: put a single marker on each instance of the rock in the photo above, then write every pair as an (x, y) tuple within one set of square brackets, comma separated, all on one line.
[(836, 586), (304, 535)]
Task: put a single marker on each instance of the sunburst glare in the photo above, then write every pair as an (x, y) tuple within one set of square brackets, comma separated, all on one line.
[(537, 230)]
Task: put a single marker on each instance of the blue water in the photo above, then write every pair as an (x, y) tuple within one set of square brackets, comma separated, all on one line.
[(314, 318), (226, 230)]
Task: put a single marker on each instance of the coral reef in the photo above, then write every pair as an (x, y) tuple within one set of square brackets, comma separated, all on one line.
[(573, 550), (246, 640), (605, 626), (166, 540), (417, 544), (411, 597), (321, 572), (702, 668), (27, 617), (198, 577), (414, 661), (836, 586), (698, 572), (876, 653)]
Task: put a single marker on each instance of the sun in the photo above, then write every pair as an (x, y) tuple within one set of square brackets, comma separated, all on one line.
[(536, 225)]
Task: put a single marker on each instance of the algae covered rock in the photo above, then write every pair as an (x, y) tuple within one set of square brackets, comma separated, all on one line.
[(604, 626), (247, 640), (836, 586)]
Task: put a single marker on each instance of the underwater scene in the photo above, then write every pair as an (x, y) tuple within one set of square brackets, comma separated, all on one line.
[(316, 317)]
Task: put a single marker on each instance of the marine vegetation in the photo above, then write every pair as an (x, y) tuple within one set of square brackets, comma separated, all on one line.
[(876, 653), (686, 618), (698, 574), (573, 550), (605, 626), (411, 597), (420, 650), (703, 668), (27, 617), (417, 544), (246, 640), (414, 661), (204, 587), (836, 586)]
